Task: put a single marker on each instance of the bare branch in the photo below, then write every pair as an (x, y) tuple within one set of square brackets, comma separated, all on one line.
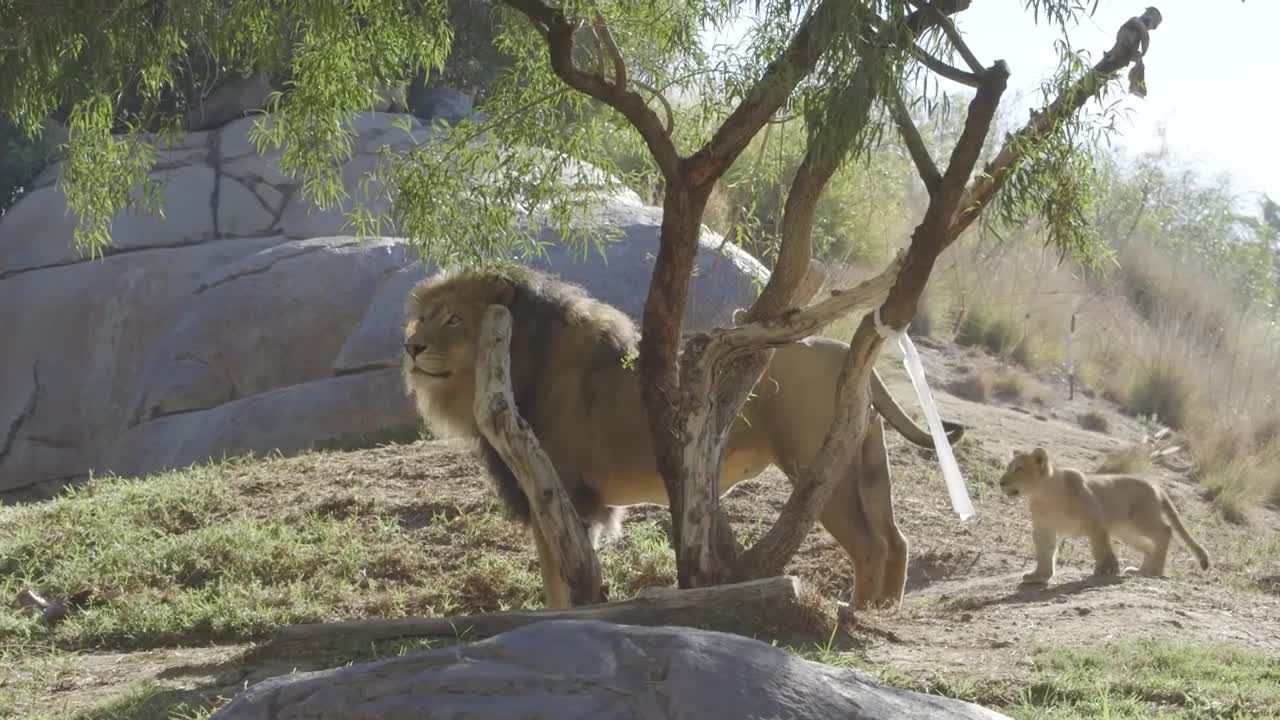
[(1129, 46), (570, 570), (940, 18), (925, 165), (954, 74), (560, 43)]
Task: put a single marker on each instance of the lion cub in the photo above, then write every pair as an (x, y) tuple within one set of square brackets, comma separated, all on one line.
[(1064, 501)]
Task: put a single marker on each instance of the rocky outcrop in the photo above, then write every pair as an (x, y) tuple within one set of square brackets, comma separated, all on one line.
[(569, 669), (243, 320)]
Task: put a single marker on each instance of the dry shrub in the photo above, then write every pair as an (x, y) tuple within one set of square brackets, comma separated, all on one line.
[(1011, 384), (1094, 421), (1131, 460), (975, 386), (1163, 390), (1236, 470), (1010, 303), (1243, 481)]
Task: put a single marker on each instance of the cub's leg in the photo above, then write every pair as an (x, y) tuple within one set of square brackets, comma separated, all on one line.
[(1046, 542), (1105, 562), (877, 500), (1153, 561)]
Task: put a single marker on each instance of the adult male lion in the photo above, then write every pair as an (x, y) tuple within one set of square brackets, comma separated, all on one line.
[(573, 386), (1067, 501)]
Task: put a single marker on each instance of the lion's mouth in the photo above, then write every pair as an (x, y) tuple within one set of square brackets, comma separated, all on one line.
[(427, 373)]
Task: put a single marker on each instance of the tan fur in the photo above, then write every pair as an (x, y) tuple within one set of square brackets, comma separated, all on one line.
[(575, 387), (1064, 501)]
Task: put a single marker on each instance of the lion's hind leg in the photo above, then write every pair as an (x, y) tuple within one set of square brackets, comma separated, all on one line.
[(876, 487)]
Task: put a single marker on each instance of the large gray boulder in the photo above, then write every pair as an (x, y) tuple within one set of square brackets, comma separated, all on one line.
[(571, 669), (243, 320)]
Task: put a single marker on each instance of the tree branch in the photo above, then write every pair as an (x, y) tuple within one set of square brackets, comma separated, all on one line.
[(560, 43), (925, 166), (814, 36), (1128, 46), (799, 323)]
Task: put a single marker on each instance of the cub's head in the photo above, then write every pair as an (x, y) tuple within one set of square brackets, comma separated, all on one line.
[(1025, 472), (442, 324)]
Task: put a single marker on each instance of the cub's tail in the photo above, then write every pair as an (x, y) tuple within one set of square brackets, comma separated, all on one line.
[(1176, 520)]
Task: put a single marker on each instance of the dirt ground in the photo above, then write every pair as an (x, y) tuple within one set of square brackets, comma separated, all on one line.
[(964, 613)]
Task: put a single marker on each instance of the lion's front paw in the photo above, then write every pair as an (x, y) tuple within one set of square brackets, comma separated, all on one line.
[(1032, 578)]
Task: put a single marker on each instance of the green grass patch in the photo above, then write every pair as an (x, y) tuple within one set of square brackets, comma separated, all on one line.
[(172, 558), (1150, 679), (185, 557)]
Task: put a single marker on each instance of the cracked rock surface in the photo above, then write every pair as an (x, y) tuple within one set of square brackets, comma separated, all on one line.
[(570, 669), (243, 319)]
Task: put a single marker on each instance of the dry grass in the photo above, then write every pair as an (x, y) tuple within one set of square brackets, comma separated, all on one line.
[(1131, 460)]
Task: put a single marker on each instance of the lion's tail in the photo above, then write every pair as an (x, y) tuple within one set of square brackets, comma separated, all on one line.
[(1176, 520)]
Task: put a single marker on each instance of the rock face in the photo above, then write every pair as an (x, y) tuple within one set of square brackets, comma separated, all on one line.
[(569, 669), (243, 320)]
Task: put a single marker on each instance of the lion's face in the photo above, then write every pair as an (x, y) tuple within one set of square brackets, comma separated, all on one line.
[(1025, 472), (442, 325), (440, 341)]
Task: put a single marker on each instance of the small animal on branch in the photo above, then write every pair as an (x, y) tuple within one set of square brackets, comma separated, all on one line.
[(574, 384), (1134, 37), (1064, 501)]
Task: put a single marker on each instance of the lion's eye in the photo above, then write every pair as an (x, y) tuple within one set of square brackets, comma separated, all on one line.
[(453, 320)]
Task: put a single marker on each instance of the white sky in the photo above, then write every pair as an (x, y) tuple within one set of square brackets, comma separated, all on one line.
[(1210, 75)]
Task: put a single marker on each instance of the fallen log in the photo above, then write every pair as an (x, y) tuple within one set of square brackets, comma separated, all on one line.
[(751, 602)]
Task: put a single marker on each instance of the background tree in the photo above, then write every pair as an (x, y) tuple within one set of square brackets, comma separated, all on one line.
[(848, 68)]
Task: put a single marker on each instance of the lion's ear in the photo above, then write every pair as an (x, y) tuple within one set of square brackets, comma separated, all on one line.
[(1041, 457)]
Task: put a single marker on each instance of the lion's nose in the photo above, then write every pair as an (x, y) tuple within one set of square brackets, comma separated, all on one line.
[(414, 349)]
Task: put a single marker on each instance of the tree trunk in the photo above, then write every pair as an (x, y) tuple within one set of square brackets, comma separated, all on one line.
[(661, 329), (570, 569)]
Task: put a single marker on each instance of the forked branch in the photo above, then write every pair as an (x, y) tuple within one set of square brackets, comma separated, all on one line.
[(560, 32)]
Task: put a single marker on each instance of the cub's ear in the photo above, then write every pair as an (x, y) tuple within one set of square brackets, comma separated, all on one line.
[(1041, 457)]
